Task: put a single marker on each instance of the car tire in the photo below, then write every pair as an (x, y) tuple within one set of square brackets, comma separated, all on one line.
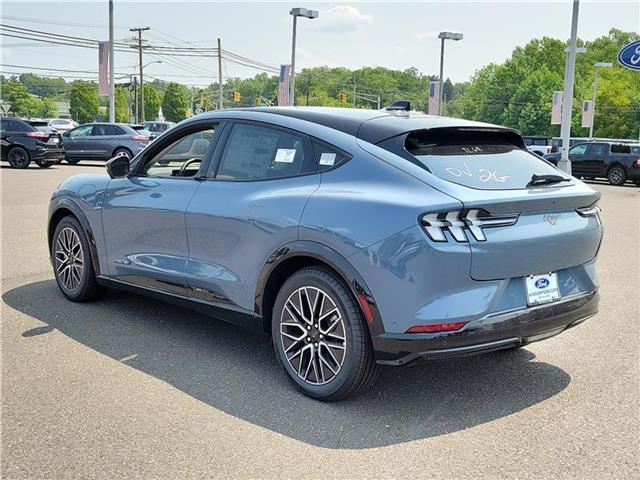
[(617, 176), (43, 163), (588, 178), (122, 151), (71, 161), (72, 263), (18, 157), (320, 337), (637, 182)]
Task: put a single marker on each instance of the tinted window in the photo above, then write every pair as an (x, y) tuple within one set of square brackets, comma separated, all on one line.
[(102, 130), (483, 160), (598, 149), (183, 157), (15, 125), (578, 150), (257, 153), (619, 148), (82, 131), (327, 157)]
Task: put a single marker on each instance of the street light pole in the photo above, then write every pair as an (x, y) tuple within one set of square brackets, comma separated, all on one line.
[(220, 89), (112, 96), (140, 30), (595, 93), (567, 100), (297, 12), (444, 36)]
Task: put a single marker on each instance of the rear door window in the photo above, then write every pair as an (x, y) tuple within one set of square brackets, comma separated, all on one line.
[(477, 159), (619, 148)]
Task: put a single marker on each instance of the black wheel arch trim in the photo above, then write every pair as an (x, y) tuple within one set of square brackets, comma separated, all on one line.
[(69, 205), (333, 259)]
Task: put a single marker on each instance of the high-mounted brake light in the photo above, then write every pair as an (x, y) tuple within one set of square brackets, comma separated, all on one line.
[(44, 136), (457, 223), (438, 327)]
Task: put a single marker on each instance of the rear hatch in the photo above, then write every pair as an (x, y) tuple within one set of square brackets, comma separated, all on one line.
[(521, 215)]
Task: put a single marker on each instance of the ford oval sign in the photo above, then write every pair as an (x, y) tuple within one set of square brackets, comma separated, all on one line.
[(629, 55), (542, 283)]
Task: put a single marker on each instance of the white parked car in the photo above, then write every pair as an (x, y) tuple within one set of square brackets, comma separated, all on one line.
[(63, 124)]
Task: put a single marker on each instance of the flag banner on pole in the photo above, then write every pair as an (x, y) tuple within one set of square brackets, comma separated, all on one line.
[(103, 68), (587, 113), (434, 97), (556, 108), (283, 85)]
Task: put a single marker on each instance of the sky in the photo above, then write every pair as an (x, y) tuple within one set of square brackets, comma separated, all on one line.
[(395, 35)]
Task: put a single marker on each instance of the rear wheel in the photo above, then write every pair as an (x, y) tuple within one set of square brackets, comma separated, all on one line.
[(71, 161), (18, 157), (72, 264), (617, 176), (320, 337)]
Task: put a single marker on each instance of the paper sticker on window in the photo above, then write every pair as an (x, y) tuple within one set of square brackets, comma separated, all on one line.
[(327, 158), (285, 155)]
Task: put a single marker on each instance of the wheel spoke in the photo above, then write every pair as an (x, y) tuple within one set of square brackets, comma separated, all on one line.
[(69, 258), (311, 315)]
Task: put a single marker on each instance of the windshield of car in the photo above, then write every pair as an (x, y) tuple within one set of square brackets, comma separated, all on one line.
[(477, 159), (59, 122)]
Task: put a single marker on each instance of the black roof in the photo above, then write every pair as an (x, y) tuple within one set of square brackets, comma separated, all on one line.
[(373, 126)]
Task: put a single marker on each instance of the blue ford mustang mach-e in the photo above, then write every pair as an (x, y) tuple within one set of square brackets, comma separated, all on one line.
[(355, 238)]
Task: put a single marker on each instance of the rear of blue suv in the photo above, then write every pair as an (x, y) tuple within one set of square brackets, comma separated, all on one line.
[(369, 238)]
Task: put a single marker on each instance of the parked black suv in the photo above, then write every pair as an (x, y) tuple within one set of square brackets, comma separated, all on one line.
[(21, 144), (616, 162)]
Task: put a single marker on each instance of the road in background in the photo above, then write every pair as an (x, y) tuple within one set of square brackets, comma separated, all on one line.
[(128, 387)]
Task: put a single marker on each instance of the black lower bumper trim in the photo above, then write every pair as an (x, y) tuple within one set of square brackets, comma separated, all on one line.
[(498, 332)]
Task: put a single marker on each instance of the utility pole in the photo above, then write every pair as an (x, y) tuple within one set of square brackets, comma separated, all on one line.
[(220, 89), (354, 89), (567, 100), (112, 97), (140, 30), (135, 97), (441, 88)]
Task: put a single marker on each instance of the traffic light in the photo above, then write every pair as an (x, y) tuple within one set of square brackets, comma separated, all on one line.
[(343, 97), (236, 96), (258, 101)]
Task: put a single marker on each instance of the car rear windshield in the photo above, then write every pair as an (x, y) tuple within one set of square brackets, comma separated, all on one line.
[(620, 148), (487, 160)]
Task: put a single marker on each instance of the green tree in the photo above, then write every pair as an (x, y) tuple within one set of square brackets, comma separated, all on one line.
[(175, 102), (122, 110), (48, 108), (151, 102), (84, 101)]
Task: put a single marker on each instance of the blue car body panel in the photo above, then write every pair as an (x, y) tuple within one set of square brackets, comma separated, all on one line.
[(212, 241)]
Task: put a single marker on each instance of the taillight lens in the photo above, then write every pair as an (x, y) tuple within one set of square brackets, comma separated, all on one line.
[(459, 223), (140, 138), (590, 211), (438, 327), (636, 164), (40, 135)]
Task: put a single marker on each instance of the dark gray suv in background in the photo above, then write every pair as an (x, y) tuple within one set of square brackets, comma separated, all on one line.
[(102, 141)]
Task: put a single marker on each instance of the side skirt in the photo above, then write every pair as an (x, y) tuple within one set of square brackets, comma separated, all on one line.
[(240, 318)]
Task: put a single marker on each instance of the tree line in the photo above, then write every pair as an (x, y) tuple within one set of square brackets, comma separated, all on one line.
[(516, 93)]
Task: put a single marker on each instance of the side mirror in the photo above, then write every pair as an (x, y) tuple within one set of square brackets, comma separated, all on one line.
[(118, 167)]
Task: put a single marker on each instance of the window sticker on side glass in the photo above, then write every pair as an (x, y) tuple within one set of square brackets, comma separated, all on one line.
[(285, 155), (327, 158)]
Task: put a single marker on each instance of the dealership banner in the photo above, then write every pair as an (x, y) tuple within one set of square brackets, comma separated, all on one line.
[(434, 98), (556, 108), (283, 85), (103, 68), (587, 113)]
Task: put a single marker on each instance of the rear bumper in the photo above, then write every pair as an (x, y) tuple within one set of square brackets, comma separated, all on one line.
[(47, 154), (493, 332)]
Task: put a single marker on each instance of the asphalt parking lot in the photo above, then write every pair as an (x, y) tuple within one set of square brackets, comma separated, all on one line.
[(128, 387)]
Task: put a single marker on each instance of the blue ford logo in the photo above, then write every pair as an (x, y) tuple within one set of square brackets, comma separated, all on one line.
[(542, 283), (629, 55)]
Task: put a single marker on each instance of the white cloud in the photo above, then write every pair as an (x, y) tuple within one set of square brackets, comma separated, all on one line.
[(343, 19)]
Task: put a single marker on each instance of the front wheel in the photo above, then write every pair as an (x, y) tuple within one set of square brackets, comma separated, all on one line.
[(18, 157), (72, 264), (320, 337), (617, 176)]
